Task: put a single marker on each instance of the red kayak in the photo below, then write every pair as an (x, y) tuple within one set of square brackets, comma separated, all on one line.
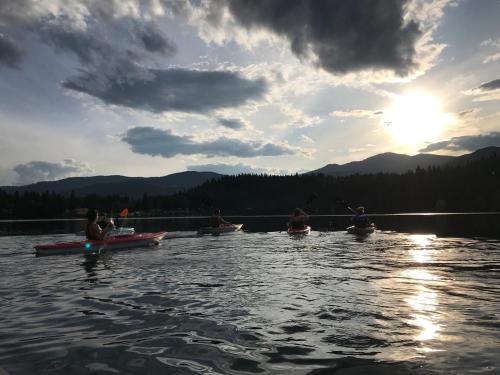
[(303, 231), (113, 243)]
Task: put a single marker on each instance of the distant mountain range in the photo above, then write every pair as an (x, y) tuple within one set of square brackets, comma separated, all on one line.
[(120, 185), (173, 183), (390, 162)]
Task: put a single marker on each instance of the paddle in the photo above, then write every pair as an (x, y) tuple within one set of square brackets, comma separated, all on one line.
[(123, 214), (346, 205)]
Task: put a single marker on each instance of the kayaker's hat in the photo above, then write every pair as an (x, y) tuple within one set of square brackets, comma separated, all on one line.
[(360, 210), (297, 211)]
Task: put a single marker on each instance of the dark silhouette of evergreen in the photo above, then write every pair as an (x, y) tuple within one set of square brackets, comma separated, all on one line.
[(474, 186)]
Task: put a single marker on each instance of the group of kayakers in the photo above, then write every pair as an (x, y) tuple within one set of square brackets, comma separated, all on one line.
[(299, 217), (97, 230)]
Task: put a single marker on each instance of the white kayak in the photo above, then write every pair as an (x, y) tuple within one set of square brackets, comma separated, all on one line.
[(221, 229), (356, 230)]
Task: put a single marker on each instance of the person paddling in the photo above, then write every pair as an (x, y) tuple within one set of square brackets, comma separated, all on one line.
[(360, 220), (298, 219), (93, 231), (217, 221)]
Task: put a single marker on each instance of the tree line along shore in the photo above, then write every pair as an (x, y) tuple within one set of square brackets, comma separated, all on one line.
[(466, 188)]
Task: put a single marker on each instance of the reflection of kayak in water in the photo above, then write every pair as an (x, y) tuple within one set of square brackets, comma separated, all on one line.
[(222, 229), (114, 232), (90, 246), (355, 230), (303, 231)]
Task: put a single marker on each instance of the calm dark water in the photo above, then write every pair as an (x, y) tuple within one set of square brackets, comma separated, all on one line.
[(389, 303), (454, 225)]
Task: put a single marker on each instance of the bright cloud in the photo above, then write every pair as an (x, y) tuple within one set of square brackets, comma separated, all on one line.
[(234, 169), (357, 113)]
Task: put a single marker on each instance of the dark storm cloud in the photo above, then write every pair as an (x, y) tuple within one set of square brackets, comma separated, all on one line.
[(171, 89), (46, 171), (344, 36), (465, 143), (92, 44), (231, 123), (10, 54), (489, 86), (155, 41), (66, 38), (96, 32), (158, 142)]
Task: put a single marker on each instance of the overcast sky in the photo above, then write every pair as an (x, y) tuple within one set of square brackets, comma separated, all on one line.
[(152, 87)]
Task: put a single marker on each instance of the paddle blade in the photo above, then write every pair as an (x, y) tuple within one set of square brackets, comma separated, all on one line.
[(123, 213)]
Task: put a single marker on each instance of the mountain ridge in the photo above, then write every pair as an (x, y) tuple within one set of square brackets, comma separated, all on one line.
[(388, 162), (119, 185)]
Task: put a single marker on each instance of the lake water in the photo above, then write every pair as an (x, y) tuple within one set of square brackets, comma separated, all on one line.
[(262, 302)]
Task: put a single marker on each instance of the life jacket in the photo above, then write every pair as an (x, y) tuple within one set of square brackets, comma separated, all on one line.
[(361, 221), (215, 221), (297, 224)]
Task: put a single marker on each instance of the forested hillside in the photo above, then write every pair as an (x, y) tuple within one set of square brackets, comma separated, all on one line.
[(474, 186)]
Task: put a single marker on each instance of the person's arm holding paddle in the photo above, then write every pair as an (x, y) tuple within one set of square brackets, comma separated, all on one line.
[(93, 230)]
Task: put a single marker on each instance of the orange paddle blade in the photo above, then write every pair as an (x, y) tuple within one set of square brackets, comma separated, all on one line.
[(124, 212)]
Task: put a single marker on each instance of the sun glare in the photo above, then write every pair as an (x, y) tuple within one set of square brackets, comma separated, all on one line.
[(415, 118)]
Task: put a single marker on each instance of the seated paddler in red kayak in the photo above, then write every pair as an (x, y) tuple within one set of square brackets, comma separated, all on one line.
[(93, 231), (217, 221), (298, 219)]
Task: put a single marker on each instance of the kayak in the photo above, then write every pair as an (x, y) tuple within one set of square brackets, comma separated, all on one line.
[(306, 230), (123, 242), (222, 229), (355, 230), (113, 232)]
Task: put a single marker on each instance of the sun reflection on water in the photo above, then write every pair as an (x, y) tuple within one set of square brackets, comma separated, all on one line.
[(429, 328), (424, 301), (421, 254), (422, 240)]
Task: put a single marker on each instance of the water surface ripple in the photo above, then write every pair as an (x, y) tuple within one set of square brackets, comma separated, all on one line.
[(389, 303)]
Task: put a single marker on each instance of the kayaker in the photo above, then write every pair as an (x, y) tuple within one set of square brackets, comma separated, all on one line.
[(216, 220), (360, 220), (93, 231), (102, 221), (298, 219)]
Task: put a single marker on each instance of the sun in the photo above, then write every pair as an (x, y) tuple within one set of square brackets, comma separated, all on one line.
[(415, 118)]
